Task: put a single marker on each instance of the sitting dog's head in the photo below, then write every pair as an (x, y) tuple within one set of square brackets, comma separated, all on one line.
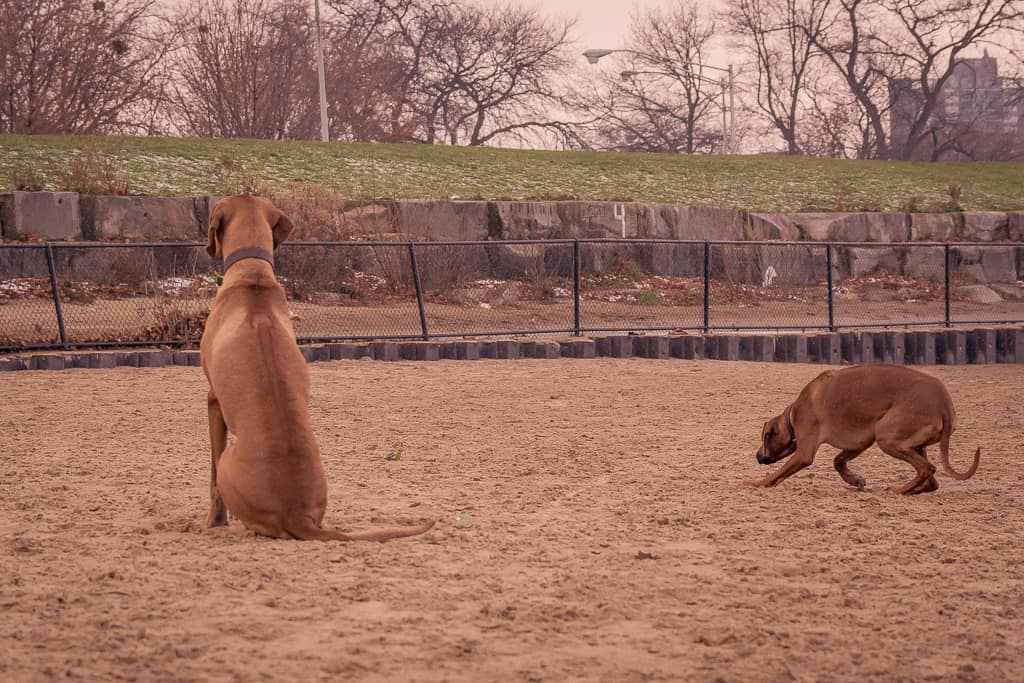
[(244, 221), (778, 439)]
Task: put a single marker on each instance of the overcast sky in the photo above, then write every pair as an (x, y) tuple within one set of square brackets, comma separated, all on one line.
[(601, 23)]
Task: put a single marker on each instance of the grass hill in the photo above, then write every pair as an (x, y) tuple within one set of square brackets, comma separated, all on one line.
[(768, 183)]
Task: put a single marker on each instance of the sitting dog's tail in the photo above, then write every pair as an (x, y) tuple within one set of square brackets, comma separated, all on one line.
[(944, 453), (314, 533)]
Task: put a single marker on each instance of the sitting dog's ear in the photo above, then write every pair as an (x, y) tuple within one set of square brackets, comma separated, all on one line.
[(281, 229), (213, 231)]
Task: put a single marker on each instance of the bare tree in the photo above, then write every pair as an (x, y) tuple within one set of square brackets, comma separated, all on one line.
[(244, 69), (78, 67), (778, 37), (883, 49), (667, 99), (473, 74)]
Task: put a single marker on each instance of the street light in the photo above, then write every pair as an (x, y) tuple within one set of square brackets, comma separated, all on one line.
[(320, 75), (727, 84)]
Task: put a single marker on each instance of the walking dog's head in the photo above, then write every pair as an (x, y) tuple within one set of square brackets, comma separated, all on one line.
[(244, 222), (778, 438)]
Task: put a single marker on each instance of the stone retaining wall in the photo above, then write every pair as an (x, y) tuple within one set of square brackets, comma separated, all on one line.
[(68, 216), (942, 347)]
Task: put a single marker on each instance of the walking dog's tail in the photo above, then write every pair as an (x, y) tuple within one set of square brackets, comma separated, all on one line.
[(310, 532), (947, 430)]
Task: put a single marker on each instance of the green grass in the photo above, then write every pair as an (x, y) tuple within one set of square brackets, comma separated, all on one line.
[(189, 166)]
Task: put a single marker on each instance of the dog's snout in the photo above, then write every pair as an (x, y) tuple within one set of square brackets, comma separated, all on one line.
[(760, 457)]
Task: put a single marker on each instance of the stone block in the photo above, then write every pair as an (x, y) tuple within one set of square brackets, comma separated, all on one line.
[(895, 347), (47, 362), (10, 363), (951, 347), (506, 349), (619, 346), (758, 348), (935, 227), (445, 220), (154, 359), (727, 347), (109, 360), (684, 347), (792, 348), (548, 350), (999, 264), (1010, 346), (986, 226), (140, 219), (343, 351), (407, 350), (308, 353), (467, 350), (651, 347), (428, 351), (45, 215), (385, 351), (826, 348), (127, 359), (1015, 226), (489, 349), (920, 348), (981, 346)]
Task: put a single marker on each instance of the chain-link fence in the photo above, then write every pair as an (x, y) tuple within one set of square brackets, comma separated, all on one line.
[(60, 295)]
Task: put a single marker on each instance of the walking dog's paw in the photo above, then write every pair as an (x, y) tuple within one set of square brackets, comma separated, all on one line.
[(755, 482)]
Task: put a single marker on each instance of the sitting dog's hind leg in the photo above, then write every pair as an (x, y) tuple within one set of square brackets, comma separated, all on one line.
[(218, 515), (851, 478)]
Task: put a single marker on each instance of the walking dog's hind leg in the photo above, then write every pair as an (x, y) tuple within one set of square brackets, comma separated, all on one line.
[(925, 470), (218, 515), (929, 484), (851, 478)]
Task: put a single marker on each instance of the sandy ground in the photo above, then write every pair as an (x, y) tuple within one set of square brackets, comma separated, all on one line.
[(592, 527)]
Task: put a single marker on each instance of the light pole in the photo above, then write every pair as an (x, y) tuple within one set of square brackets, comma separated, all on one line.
[(320, 75), (726, 84)]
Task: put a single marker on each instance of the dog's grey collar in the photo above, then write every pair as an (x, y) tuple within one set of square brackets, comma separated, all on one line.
[(789, 423), (248, 252)]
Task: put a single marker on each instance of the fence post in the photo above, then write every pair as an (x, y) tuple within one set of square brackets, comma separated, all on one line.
[(576, 287), (949, 256), (419, 289), (707, 286), (56, 296), (828, 279)]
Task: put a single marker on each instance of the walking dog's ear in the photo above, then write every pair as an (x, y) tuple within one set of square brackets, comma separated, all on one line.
[(281, 229), (214, 231)]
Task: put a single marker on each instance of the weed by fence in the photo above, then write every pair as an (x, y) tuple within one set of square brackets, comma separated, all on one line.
[(61, 295)]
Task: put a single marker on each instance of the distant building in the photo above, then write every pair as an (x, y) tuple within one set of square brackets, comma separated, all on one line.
[(977, 115)]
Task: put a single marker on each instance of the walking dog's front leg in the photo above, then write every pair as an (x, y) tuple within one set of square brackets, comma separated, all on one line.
[(218, 515), (799, 460)]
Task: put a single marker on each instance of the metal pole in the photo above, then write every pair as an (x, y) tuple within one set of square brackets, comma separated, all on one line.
[(56, 296), (831, 308), (419, 289), (320, 74), (576, 287), (732, 113), (725, 133), (707, 286), (948, 259)]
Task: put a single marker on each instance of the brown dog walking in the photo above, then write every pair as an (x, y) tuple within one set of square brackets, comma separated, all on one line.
[(271, 478), (903, 410)]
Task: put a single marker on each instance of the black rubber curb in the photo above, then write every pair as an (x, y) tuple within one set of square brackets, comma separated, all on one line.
[(941, 347)]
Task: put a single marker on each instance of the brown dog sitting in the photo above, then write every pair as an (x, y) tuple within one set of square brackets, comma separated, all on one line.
[(271, 478), (902, 409)]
